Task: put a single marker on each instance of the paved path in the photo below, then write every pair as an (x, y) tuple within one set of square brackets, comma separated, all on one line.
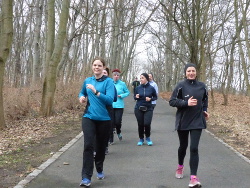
[(130, 166)]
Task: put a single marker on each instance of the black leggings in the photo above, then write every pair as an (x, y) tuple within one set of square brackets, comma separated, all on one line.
[(117, 119), (95, 134), (144, 120), (194, 154)]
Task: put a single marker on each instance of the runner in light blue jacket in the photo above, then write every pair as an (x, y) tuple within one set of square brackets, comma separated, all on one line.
[(118, 106)]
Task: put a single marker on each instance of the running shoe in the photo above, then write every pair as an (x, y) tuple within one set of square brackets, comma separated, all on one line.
[(106, 151), (179, 172), (149, 142), (111, 143), (119, 136), (140, 143), (194, 182), (111, 140), (85, 182), (100, 176)]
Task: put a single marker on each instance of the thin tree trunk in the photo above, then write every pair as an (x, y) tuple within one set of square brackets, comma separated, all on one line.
[(6, 36), (246, 31), (50, 34), (36, 45)]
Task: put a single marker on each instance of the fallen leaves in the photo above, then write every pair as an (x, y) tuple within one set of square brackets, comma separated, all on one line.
[(24, 132)]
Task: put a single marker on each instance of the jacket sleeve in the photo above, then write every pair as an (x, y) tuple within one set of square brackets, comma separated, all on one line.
[(205, 100), (83, 91), (176, 99), (125, 90), (156, 88), (115, 96), (136, 92), (154, 95), (108, 96)]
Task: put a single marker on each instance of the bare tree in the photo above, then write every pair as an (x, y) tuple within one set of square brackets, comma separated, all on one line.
[(50, 34), (190, 19), (49, 85), (206, 32), (244, 8), (36, 42), (6, 35)]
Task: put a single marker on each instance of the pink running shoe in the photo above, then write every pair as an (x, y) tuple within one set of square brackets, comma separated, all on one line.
[(194, 182), (179, 172)]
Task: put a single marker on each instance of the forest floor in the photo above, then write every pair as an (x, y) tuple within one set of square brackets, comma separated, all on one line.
[(24, 148)]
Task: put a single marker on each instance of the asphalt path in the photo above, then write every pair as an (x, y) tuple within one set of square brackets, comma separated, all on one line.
[(130, 166)]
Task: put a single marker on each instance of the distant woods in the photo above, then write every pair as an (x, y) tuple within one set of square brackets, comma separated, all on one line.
[(44, 43)]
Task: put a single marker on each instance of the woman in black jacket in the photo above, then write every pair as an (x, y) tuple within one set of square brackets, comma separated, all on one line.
[(144, 95), (191, 99)]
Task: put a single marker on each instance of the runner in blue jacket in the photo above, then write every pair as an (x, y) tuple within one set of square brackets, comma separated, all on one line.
[(98, 92)]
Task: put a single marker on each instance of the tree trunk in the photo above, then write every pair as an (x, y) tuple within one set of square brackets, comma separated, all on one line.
[(169, 57), (246, 31), (36, 46), (49, 85), (50, 34), (6, 35), (115, 35)]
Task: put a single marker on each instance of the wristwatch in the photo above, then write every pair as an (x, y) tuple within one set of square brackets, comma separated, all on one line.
[(96, 92)]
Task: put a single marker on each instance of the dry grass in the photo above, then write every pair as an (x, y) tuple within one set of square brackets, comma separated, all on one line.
[(23, 122), (29, 139), (232, 122)]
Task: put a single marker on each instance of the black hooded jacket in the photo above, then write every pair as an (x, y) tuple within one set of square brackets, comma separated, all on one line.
[(189, 117)]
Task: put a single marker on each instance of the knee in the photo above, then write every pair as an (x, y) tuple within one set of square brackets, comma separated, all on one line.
[(140, 126), (147, 123), (183, 145), (88, 149), (89, 145), (194, 150)]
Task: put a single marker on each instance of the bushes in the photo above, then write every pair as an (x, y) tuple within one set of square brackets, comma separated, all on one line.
[(25, 102)]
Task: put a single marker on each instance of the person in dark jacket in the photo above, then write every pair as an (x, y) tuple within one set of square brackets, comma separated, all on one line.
[(144, 95), (190, 97), (110, 110), (135, 83)]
